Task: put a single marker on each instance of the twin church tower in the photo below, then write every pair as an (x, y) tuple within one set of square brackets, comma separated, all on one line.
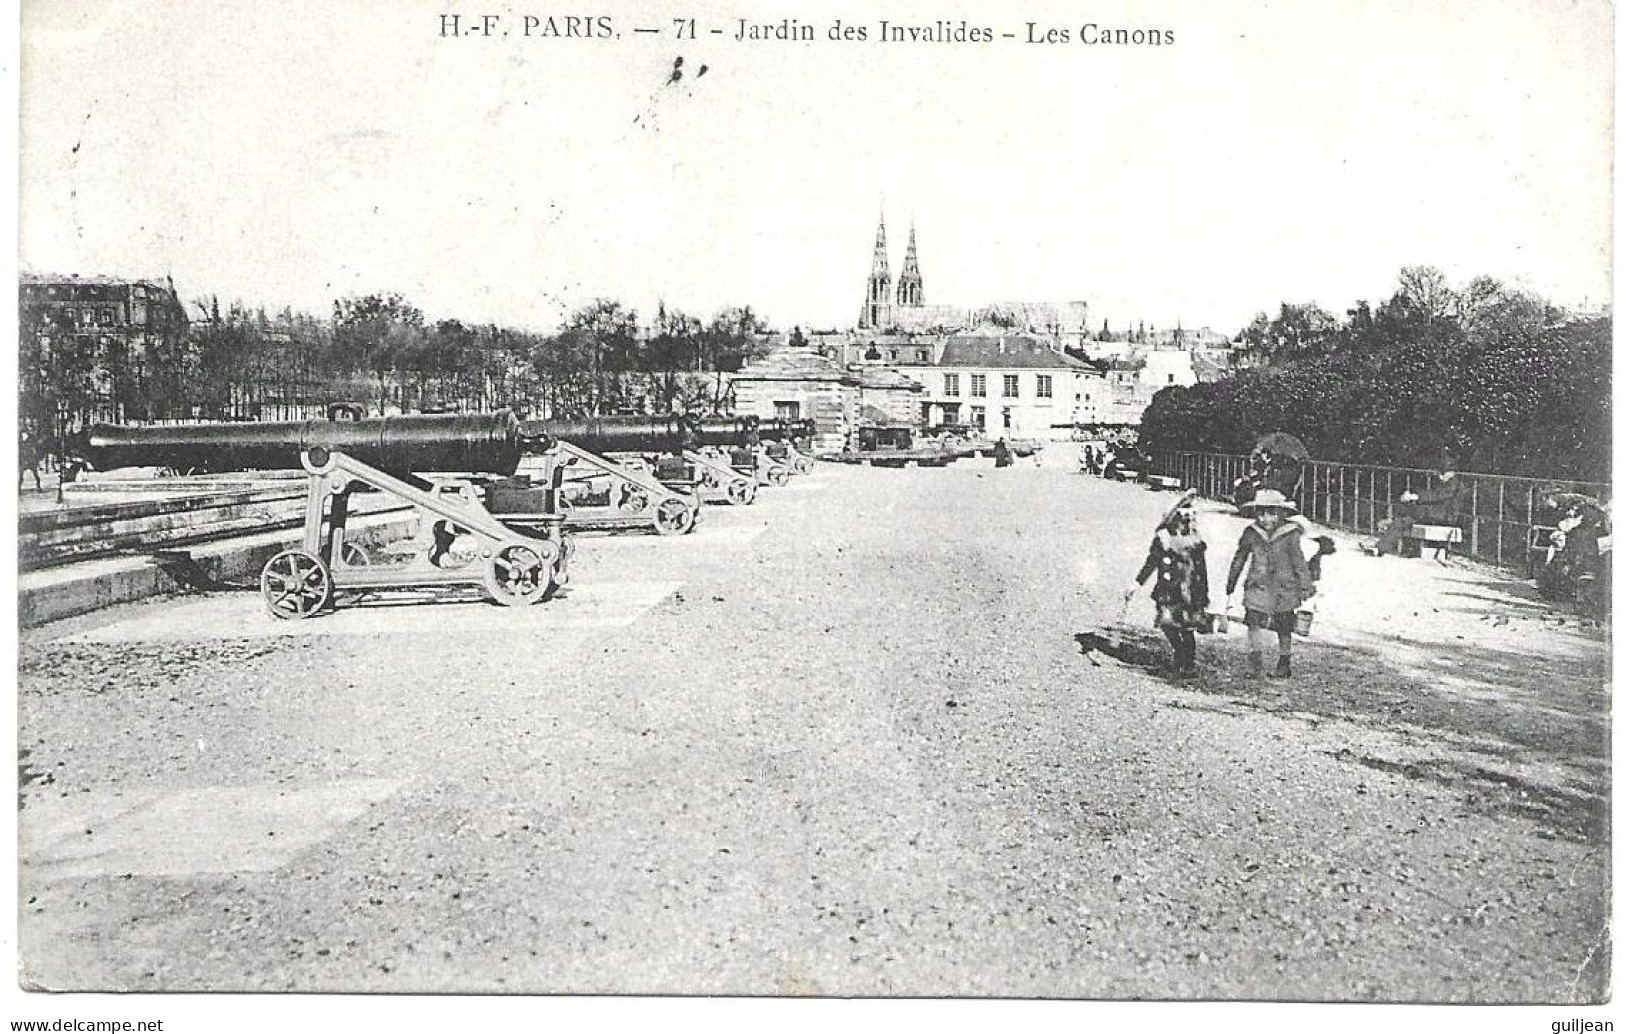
[(879, 311)]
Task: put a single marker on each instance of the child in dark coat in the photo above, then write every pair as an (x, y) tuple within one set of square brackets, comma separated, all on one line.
[(1271, 551), (1178, 556)]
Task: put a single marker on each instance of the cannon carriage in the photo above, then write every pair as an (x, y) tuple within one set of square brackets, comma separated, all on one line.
[(667, 458), (438, 466), (788, 443), (593, 487)]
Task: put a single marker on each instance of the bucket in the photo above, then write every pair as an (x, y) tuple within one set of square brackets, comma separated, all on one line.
[(1306, 620), (1221, 622)]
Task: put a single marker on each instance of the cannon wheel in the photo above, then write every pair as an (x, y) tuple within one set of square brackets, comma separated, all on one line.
[(741, 493), (804, 466), (355, 556), (674, 517), (777, 475), (517, 576), (295, 585)]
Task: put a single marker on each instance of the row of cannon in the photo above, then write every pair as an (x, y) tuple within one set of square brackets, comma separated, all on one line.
[(494, 498)]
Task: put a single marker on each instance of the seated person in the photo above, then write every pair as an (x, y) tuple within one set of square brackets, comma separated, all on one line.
[(1437, 505)]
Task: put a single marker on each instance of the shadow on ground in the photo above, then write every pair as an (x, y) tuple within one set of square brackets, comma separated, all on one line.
[(1480, 717)]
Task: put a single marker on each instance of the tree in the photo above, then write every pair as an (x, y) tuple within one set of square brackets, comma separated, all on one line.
[(732, 339), (55, 372), (1502, 379), (376, 333), (672, 358), (1426, 292), (584, 366), (1297, 333)]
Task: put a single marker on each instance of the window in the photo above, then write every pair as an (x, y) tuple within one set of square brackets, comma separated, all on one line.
[(1046, 386), (1006, 415), (978, 417), (950, 385), (787, 410), (1012, 385), (978, 385), (1170, 378), (920, 356), (894, 354)]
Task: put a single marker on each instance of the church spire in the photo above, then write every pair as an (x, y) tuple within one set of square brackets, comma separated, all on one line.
[(910, 286), (875, 303)]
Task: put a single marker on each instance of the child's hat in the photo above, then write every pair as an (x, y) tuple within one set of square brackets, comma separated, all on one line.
[(1268, 499), (1184, 500)]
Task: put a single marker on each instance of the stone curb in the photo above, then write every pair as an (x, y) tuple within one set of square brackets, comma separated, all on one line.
[(63, 592)]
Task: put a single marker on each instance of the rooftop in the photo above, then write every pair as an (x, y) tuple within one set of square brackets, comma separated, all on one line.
[(1006, 352)]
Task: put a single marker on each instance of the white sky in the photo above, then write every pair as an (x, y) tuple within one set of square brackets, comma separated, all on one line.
[(287, 153)]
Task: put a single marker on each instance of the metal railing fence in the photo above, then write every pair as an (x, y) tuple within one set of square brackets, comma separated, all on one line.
[(1496, 512)]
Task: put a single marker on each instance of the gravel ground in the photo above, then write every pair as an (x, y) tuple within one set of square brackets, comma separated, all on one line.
[(846, 742)]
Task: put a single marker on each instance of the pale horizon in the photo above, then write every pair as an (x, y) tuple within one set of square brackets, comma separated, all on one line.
[(288, 155)]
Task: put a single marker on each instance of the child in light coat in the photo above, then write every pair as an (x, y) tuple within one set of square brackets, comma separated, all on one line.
[(1278, 581)]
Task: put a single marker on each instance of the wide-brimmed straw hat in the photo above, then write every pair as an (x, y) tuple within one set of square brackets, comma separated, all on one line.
[(1184, 499), (1268, 499)]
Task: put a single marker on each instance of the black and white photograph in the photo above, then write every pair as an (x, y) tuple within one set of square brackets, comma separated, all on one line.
[(540, 514)]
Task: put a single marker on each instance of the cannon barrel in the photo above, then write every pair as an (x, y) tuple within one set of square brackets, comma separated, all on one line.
[(490, 443), (605, 434), (776, 429), (730, 432)]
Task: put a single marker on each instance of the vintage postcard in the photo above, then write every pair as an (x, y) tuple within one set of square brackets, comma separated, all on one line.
[(524, 506)]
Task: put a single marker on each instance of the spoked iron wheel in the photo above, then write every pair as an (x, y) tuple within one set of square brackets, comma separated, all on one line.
[(295, 584), (741, 492), (674, 517), (519, 576), (777, 475), (355, 556)]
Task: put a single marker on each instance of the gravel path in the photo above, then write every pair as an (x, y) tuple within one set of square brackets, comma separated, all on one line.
[(842, 742)]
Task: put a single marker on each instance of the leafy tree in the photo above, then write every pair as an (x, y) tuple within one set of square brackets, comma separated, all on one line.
[(584, 365), (377, 333), (1298, 332), (1502, 379), (672, 358), (56, 374), (732, 339)]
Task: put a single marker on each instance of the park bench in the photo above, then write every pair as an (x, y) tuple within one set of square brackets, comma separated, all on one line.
[(1437, 537)]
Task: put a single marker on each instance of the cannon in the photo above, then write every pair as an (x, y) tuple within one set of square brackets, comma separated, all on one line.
[(518, 559), (789, 442), (600, 488), (681, 453), (739, 442)]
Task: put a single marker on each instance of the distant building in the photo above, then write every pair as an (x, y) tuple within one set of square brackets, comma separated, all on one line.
[(906, 311), (800, 384), (1009, 386), (891, 349), (113, 328)]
